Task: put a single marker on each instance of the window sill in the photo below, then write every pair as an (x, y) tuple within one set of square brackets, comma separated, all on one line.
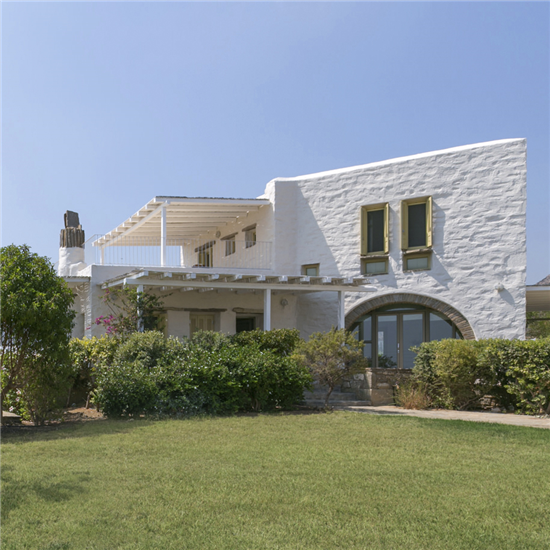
[(416, 251), (374, 255)]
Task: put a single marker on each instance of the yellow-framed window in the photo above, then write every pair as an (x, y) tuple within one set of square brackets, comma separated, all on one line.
[(375, 229), (417, 223)]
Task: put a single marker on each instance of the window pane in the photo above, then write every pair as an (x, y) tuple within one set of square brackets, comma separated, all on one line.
[(312, 271), (412, 336), (371, 268), (417, 225), (375, 231), (387, 341), (230, 247), (367, 353), (367, 329), (440, 328), (250, 238), (417, 263)]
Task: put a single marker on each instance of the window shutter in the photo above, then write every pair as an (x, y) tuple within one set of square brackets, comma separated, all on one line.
[(363, 231), (386, 228), (404, 225), (429, 223)]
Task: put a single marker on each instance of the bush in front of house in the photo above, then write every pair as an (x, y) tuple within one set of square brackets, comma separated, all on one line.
[(331, 357), (458, 374), (522, 370), (450, 374), (282, 341), (210, 374)]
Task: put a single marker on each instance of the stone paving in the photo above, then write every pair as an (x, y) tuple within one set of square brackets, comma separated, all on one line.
[(470, 416)]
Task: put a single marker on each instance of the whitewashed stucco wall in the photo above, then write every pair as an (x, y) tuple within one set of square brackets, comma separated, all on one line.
[(479, 201)]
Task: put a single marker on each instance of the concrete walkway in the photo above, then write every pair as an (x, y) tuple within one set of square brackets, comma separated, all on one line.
[(495, 418)]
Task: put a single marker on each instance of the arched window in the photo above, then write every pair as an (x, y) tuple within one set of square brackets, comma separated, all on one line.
[(391, 331)]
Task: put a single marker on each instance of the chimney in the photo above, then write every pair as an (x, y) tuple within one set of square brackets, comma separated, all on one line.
[(71, 246)]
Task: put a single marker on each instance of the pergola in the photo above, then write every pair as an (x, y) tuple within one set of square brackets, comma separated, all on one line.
[(164, 218), (209, 281)]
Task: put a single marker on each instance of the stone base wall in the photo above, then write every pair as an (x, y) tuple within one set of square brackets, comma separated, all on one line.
[(375, 385)]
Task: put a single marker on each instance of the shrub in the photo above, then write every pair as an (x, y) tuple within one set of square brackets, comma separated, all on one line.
[(127, 389), (412, 394), (451, 373), (283, 341), (466, 381), (522, 368), (148, 349), (208, 374), (331, 357), (209, 340)]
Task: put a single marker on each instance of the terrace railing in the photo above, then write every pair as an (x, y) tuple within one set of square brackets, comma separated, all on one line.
[(188, 253)]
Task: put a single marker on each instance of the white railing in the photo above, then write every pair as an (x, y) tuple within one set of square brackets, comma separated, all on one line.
[(188, 253)]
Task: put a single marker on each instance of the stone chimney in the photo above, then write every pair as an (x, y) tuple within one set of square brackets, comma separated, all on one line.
[(71, 246)]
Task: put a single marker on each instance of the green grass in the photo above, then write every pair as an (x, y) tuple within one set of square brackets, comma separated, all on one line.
[(322, 481)]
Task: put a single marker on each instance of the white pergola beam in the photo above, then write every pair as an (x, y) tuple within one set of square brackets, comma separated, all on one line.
[(240, 285)]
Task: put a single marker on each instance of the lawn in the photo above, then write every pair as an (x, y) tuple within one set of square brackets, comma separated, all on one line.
[(318, 481)]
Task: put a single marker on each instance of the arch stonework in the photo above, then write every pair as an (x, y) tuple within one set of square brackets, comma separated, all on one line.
[(408, 298)]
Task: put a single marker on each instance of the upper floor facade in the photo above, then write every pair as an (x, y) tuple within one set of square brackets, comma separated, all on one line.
[(446, 225)]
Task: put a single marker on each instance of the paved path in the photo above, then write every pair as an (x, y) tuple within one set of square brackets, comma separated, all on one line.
[(496, 418)]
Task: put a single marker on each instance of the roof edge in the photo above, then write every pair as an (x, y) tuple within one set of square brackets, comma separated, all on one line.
[(397, 160)]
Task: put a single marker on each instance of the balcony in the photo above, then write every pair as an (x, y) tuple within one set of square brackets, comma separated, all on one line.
[(141, 251)]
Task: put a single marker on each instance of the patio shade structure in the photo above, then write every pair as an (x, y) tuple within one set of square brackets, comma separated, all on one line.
[(227, 282)]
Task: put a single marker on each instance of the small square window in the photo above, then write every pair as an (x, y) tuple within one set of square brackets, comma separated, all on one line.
[(417, 263), (311, 270), (375, 267)]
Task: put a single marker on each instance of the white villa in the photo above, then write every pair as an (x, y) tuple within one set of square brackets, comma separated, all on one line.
[(406, 250)]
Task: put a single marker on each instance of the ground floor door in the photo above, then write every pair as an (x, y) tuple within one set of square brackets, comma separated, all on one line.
[(245, 323), (396, 335), (390, 333), (201, 321)]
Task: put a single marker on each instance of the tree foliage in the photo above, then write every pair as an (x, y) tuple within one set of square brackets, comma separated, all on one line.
[(331, 357), (36, 321), (131, 311)]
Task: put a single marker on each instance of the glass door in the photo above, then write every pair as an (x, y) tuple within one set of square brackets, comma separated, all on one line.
[(412, 335), (387, 341)]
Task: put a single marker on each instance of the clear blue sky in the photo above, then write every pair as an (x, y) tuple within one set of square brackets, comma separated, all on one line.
[(106, 105)]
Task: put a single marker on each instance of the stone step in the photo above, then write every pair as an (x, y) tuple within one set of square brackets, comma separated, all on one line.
[(333, 397), (10, 418), (331, 403)]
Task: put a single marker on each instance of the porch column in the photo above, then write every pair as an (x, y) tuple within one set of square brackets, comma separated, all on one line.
[(102, 261), (140, 326), (163, 235), (267, 309), (341, 310)]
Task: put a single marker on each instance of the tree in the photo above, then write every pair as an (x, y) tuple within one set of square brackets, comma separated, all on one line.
[(35, 324), (132, 311), (331, 357)]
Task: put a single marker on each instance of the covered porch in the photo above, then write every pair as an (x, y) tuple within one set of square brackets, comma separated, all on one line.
[(222, 301)]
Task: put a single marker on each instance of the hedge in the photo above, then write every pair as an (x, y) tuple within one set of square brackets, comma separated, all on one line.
[(459, 374), (146, 373)]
